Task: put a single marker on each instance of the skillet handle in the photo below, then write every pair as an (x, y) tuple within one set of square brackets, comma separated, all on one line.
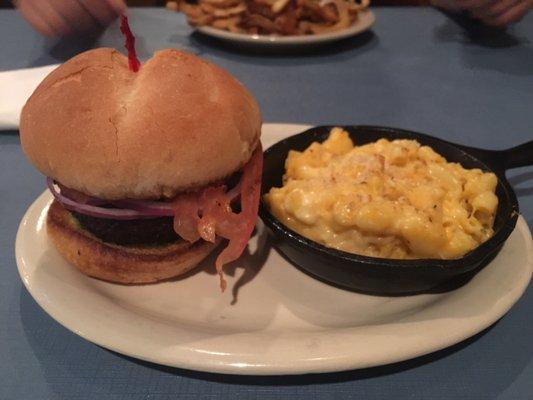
[(502, 160), (519, 156)]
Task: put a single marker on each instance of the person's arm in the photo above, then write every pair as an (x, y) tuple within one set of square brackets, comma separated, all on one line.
[(65, 17), (491, 12)]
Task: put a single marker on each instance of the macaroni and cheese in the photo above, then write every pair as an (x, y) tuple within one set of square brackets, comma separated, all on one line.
[(392, 199)]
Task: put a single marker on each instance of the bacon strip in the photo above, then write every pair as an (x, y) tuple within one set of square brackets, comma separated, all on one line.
[(207, 213)]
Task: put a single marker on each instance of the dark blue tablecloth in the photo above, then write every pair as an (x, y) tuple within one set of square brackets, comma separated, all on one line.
[(417, 69)]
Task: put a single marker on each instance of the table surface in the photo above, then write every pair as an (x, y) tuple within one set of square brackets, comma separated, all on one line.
[(418, 69)]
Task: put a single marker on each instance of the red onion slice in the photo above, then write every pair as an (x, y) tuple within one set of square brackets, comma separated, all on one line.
[(156, 208), (94, 211), (80, 197), (125, 209)]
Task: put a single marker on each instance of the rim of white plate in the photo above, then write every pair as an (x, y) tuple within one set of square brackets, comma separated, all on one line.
[(210, 354)]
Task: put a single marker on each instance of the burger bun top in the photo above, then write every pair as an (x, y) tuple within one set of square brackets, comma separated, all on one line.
[(177, 124)]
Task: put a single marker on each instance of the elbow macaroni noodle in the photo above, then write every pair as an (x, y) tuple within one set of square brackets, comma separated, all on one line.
[(392, 199)]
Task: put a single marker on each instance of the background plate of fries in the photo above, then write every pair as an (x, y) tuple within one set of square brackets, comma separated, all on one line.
[(278, 22)]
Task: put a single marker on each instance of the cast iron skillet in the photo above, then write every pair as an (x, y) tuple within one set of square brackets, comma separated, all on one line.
[(387, 276)]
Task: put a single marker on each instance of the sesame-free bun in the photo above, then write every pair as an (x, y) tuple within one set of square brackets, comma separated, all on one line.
[(178, 123), (121, 264)]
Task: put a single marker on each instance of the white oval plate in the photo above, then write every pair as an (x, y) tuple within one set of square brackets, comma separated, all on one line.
[(282, 321), (364, 22)]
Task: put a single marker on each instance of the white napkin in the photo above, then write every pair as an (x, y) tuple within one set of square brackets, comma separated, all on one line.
[(15, 88)]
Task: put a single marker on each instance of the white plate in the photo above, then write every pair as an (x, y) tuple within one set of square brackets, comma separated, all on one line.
[(364, 22), (283, 322)]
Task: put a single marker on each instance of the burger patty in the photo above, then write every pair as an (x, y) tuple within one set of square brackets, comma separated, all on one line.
[(150, 232)]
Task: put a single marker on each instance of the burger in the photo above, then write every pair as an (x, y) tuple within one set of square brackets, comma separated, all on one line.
[(151, 169)]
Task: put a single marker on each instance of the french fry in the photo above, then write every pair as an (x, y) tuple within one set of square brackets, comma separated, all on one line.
[(265, 25), (229, 24), (223, 3), (222, 12), (279, 5)]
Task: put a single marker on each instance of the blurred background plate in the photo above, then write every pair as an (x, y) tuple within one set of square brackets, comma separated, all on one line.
[(364, 22)]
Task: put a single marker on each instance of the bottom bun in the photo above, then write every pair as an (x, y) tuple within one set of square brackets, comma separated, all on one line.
[(121, 264)]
